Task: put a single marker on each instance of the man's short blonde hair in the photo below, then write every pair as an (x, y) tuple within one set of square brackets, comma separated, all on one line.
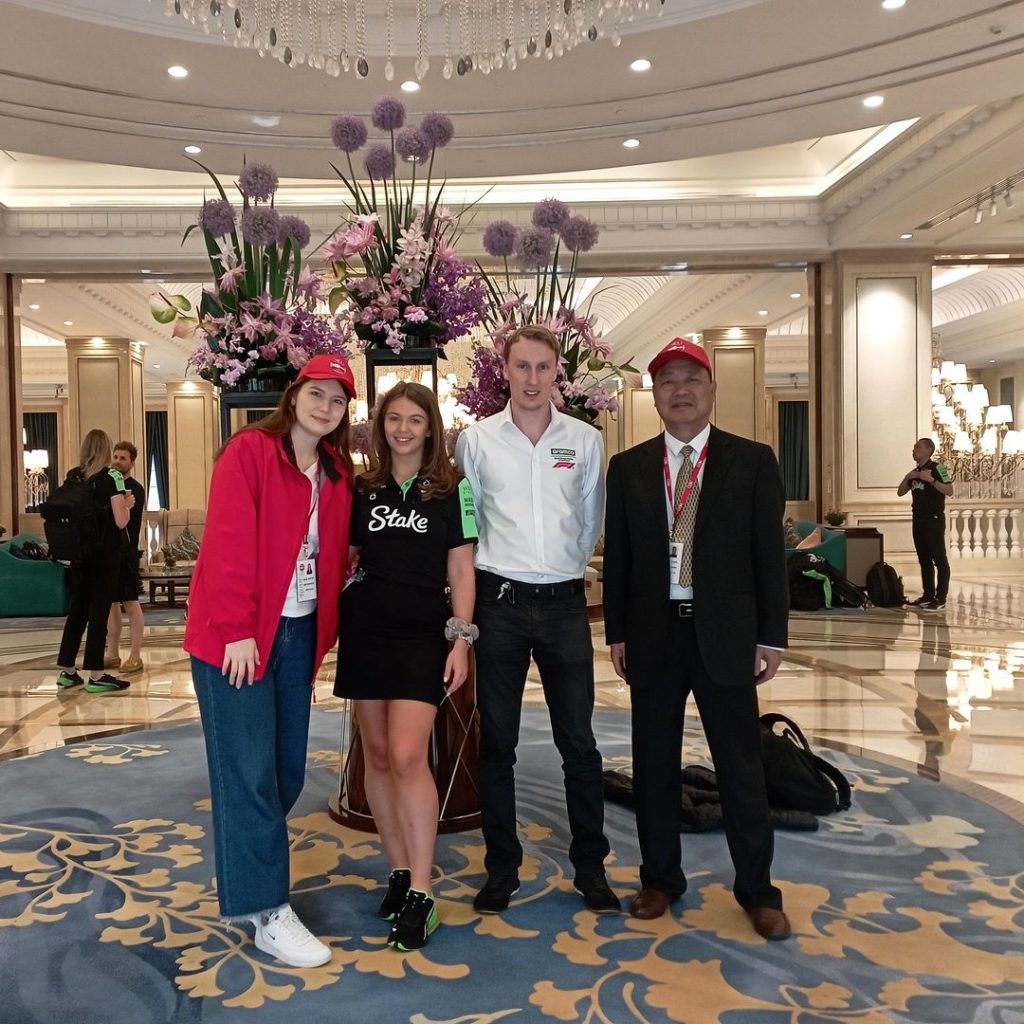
[(533, 332)]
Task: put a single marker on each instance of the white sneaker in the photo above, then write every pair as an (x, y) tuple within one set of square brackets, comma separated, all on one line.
[(281, 934)]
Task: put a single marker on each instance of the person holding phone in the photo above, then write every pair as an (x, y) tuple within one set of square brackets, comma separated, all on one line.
[(413, 531), (263, 612)]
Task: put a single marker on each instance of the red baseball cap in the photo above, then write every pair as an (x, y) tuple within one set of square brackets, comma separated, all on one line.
[(327, 367), (680, 348)]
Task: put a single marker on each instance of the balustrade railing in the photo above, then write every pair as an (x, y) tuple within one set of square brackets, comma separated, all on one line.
[(992, 528)]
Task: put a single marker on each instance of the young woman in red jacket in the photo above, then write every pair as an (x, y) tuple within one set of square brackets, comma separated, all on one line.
[(263, 612)]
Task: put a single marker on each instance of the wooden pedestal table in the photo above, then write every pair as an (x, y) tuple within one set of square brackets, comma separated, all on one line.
[(453, 754)]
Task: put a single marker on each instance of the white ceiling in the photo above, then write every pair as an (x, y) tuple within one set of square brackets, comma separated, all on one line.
[(746, 98)]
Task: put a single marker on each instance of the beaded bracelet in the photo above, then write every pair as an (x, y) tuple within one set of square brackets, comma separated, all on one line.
[(460, 629)]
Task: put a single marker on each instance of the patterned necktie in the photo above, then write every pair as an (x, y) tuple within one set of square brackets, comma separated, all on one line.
[(683, 524)]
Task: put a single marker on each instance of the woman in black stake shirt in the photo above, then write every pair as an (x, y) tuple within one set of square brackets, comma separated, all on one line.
[(413, 526)]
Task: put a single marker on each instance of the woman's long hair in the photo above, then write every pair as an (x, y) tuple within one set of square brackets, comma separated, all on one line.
[(437, 476), (95, 453), (282, 419)]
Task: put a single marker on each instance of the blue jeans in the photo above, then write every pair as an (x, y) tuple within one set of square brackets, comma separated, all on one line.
[(256, 753), (555, 632)]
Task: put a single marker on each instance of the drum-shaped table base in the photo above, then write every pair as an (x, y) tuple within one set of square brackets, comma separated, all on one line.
[(453, 755)]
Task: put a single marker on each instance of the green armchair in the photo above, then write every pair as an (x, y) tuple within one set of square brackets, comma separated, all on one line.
[(832, 547), (29, 587)]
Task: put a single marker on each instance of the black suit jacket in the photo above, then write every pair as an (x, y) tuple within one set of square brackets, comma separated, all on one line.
[(739, 574)]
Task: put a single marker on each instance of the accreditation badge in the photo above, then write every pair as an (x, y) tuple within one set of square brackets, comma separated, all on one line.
[(675, 560), (305, 579)]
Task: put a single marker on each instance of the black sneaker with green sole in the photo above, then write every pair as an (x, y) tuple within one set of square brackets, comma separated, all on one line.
[(66, 680), (398, 887), (106, 683), (414, 923)]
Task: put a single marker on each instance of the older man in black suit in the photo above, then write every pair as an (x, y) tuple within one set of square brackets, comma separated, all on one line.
[(695, 601)]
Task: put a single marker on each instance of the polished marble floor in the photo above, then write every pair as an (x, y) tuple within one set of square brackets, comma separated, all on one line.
[(943, 691)]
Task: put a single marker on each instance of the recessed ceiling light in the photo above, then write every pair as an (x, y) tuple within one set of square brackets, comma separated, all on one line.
[(893, 5), (641, 64), (68, 323), (145, 270), (795, 295), (177, 71), (762, 312), (193, 150), (873, 101), (33, 305), (906, 235), (410, 86), (156, 366), (991, 360), (266, 120), (631, 143)]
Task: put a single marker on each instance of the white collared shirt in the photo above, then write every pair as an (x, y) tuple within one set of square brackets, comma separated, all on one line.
[(675, 460), (538, 507)]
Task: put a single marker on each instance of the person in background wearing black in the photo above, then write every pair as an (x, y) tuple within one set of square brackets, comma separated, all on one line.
[(929, 484), (127, 595), (93, 577)]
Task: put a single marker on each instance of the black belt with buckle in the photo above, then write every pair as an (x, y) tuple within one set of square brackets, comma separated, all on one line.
[(682, 609), (510, 590)]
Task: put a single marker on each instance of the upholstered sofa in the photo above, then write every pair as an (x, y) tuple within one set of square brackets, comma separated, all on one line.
[(166, 526), (832, 547), (29, 587)]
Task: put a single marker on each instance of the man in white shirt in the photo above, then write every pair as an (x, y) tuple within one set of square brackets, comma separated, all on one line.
[(696, 601), (537, 477)]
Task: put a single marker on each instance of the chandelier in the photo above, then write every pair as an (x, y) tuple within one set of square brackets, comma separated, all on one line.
[(975, 438), (473, 35)]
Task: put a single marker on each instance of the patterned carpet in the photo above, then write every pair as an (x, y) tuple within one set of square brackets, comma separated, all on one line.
[(909, 907)]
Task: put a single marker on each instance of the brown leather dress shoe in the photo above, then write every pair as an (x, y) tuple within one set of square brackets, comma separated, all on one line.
[(649, 903), (769, 923)]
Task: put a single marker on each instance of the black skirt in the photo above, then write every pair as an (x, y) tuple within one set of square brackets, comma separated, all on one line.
[(391, 643)]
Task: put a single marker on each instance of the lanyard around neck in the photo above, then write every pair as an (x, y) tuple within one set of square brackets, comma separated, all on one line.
[(678, 507)]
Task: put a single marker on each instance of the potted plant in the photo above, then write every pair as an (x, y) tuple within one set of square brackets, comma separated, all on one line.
[(834, 517)]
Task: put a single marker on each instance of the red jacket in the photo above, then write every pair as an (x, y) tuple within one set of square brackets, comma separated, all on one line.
[(259, 505)]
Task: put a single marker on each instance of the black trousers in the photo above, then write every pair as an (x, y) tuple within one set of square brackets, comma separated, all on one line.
[(93, 587), (930, 544), (555, 632), (729, 715)]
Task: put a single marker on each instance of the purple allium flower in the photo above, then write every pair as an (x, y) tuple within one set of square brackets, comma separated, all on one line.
[(217, 217), (438, 129), (551, 214), (348, 133), (379, 161), (258, 181), (295, 228), (388, 114), (500, 238), (412, 144), (533, 248), (260, 225), (579, 234)]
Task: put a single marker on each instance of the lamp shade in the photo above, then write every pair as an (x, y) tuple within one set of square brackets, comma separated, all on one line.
[(997, 415), (962, 442)]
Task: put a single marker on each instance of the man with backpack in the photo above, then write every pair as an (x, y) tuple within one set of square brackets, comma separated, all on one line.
[(127, 595), (85, 520), (929, 484)]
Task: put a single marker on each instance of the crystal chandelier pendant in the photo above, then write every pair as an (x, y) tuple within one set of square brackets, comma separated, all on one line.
[(479, 35)]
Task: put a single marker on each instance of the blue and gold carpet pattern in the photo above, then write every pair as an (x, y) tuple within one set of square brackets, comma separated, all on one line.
[(907, 908)]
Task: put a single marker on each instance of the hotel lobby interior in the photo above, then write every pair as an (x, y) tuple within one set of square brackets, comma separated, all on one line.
[(826, 194)]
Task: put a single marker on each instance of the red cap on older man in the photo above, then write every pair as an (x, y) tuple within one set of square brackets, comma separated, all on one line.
[(328, 367), (680, 348)]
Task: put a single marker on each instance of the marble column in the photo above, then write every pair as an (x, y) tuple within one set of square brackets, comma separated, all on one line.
[(737, 356), (193, 438), (106, 390), (875, 387)]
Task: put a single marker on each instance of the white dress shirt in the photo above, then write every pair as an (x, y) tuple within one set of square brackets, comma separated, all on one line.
[(538, 507), (675, 460)]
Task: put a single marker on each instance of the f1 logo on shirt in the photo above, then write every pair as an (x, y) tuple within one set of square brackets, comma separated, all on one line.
[(563, 458)]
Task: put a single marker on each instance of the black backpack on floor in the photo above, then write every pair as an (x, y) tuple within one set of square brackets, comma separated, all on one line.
[(814, 583), (71, 519), (885, 586), (795, 777)]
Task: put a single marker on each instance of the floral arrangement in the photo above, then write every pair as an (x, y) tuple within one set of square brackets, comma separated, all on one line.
[(585, 383), (834, 517), (258, 319), (394, 265)]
